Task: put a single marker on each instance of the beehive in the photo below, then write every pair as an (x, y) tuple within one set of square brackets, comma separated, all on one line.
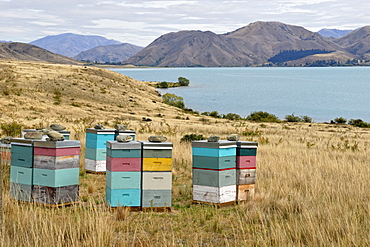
[(56, 169), (214, 171), (123, 174), (5, 153), (21, 169), (246, 163), (96, 149), (156, 174)]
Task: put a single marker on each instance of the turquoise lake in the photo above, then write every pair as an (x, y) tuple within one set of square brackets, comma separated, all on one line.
[(322, 93)]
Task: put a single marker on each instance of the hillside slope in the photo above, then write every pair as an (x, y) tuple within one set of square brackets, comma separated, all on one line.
[(21, 51), (37, 93), (357, 42), (109, 53)]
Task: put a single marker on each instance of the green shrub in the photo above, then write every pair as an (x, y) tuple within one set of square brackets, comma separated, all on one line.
[(232, 116), (340, 120), (182, 81), (359, 123), (162, 84), (11, 129), (192, 137), (174, 100), (261, 116), (292, 118)]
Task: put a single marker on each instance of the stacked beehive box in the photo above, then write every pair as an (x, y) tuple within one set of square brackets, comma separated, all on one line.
[(5, 153), (21, 169), (96, 149), (156, 174), (56, 168), (246, 153), (123, 175), (214, 171)]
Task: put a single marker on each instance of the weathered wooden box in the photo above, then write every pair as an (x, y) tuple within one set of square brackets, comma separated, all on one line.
[(156, 198), (55, 195), (56, 162), (218, 163), (123, 164), (214, 178), (56, 178), (123, 197), (21, 192), (157, 180), (245, 192), (95, 165), (246, 162), (123, 180), (246, 176), (214, 194)]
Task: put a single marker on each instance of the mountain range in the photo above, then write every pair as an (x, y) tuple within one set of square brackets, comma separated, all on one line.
[(69, 44), (259, 43)]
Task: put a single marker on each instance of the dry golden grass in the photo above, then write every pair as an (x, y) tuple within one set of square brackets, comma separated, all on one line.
[(311, 190)]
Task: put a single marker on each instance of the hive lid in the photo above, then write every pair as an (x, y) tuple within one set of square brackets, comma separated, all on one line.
[(23, 142), (101, 131), (219, 144), (126, 131), (156, 145), (247, 144), (57, 144), (123, 145), (4, 145)]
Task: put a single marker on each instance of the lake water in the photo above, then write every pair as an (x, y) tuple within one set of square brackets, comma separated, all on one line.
[(322, 93)]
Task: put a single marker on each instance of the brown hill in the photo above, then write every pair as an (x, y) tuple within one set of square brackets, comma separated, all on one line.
[(21, 51), (109, 53), (357, 42), (253, 44), (36, 93), (191, 48)]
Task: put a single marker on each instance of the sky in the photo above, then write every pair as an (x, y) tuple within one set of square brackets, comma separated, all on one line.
[(141, 22)]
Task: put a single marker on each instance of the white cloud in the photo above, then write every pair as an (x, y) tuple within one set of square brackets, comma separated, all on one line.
[(141, 21)]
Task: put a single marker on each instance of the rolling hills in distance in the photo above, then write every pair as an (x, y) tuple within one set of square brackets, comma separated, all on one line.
[(259, 43)]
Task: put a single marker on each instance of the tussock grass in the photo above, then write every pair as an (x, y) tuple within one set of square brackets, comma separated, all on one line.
[(314, 195), (312, 185)]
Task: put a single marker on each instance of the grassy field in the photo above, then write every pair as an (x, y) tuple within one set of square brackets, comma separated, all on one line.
[(312, 185)]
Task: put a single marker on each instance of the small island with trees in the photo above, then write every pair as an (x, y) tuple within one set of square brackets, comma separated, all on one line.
[(181, 82)]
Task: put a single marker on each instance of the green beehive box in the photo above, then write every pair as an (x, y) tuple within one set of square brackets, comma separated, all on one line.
[(214, 178), (56, 178), (21, 175)]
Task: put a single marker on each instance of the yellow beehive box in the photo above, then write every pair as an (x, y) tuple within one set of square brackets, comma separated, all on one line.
[(157, 164)]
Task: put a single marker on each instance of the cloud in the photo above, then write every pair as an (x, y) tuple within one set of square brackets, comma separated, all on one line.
[(140, 21)]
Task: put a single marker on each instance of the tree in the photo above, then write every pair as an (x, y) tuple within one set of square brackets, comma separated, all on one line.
[(261, 116), (183, 81), (174, 100)]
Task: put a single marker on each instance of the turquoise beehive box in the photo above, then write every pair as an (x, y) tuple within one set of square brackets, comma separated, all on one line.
[(123, 197)]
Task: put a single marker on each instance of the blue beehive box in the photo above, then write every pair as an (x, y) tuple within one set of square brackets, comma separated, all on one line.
[(214, 178), (123, 197), (22, 152), (21, 175), (208, 162), (96, 154), (123, 180), (56, 178), (97, 138), (246, 148)]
